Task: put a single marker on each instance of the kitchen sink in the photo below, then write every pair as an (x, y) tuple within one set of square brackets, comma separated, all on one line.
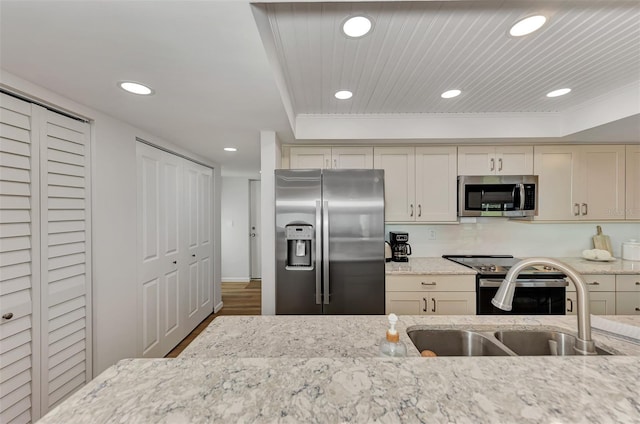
[(456, 343), (540, 342), (507, 342)]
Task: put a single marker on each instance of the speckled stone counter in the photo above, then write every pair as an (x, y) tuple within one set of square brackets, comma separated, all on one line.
[(618, 266), (322, 369), (427, 266)]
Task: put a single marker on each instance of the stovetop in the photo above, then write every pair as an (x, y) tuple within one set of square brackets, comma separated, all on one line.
[(499, 265)]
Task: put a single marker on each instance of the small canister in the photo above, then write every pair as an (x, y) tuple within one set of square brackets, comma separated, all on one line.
[(631, 250)]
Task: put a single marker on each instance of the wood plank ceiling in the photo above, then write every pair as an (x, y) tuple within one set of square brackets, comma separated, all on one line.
[(417, 50)]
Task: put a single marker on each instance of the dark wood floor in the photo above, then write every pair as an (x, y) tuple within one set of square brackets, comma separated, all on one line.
[(238, 299)]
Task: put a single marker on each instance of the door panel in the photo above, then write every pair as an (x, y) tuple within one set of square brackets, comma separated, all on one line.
[(151, 315), (255, 232)]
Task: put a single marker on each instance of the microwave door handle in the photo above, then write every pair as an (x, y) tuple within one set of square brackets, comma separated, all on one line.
[(521, 196)]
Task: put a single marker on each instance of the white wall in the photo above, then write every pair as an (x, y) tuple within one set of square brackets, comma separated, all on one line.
[(114, 244), (501, 236), (235, 229), (270, 156)]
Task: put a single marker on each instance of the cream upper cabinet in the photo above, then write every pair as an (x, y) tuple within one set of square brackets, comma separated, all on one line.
[(495, 160), (310, 157), (580, 182), (633, 182), (436, 183), (398, 164), (420, 183), (302, 157)]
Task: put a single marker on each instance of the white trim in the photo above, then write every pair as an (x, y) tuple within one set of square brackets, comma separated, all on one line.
[(217, 308), (236, 280)]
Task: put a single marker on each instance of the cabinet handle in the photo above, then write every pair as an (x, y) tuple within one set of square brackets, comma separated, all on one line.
[(193, 255), (419, 210), (335, 163), (411, 206), (570, 308), (595, 283), (500, 164), (434, 304), (637, 283), (326, 161), (433, 283), (493, 164), (8, 315), (425, 304), (175, 262), (637, 309), (576, 209), (584, 209)]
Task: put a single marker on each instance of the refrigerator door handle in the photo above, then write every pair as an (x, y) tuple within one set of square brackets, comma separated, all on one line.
[(318, 255), (325, 250)]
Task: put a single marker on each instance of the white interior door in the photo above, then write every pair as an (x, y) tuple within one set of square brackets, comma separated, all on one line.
[(159, 272), (254, 230)]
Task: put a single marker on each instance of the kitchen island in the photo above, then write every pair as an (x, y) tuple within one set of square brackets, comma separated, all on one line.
[(324, 369)]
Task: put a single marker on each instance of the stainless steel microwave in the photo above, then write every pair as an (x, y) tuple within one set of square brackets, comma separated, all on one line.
[(498, 195)]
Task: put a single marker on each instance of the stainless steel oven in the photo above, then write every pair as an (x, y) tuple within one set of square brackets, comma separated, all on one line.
[(539, 290)]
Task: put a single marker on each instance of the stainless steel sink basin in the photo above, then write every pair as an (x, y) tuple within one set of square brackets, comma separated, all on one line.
[(455, 343), (534, 342), (504, 342)]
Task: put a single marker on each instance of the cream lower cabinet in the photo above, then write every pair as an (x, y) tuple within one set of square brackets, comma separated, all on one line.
[(628, 294), (430, 295), (602, 295)]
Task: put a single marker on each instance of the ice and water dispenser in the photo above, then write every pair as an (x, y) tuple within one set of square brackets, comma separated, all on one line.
[(299, 241)]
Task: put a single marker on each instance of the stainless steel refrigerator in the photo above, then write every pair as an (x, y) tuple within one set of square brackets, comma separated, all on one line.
[(330, 241)]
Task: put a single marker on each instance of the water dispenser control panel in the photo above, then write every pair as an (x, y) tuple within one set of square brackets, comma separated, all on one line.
[(299, 238)]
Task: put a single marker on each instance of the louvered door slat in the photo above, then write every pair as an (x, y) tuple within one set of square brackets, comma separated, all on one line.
[(65, 263), (18, 284)]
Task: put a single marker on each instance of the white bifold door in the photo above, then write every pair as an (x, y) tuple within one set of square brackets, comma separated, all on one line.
[(45, 275), (175, 263)]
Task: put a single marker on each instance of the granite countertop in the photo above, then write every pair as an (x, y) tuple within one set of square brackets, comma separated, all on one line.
[(323, 369), (436, 265)]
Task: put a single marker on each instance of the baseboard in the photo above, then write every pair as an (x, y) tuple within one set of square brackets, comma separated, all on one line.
[(217, 308), (236, 280)]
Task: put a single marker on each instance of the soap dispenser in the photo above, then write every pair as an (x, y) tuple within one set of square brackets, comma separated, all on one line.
[(391, 344)]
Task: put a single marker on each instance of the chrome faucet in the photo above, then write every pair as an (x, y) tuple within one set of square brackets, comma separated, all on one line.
[(504, 297)]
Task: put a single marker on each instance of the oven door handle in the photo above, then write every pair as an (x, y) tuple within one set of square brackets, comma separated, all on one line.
[(486, 282)]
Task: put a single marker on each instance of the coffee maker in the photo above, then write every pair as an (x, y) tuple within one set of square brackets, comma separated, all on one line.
[(400, 249)]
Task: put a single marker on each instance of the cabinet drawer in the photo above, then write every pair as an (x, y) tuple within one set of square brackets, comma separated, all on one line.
[(628, 303), (597, 283), (430, 283), (628, 283)]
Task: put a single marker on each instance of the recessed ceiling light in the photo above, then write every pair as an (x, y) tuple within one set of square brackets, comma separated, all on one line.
[(135, 88), (450, 93), (559, 92), (230, 149), (343, 94), (356, 26), (527, 25)]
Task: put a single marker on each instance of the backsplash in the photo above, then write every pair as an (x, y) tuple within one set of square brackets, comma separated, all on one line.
[(503, 236)]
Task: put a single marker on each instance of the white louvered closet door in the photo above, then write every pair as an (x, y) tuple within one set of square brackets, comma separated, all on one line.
[(45, 353), (19, 264), (65, 256)]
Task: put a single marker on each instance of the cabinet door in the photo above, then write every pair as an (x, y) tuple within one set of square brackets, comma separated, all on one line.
[(603, 182), (436, 183), (558, 176), (406, 303), (628, 303), (352, 157), (600, 303), (514, 160), (632, 206), (310, 157), (476, 160), (399, 181), (451, 303)]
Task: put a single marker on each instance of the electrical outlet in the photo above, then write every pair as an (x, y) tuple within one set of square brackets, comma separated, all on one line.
[(431, 234)]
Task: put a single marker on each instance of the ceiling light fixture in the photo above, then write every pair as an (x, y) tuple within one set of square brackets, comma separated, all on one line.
[(450, 94), (343, 94), (136, 88), (230, 149), (356, 26), (527, 25), (559, 92)]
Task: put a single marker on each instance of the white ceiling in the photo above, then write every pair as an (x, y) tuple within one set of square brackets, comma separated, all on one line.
[(218, 83)]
